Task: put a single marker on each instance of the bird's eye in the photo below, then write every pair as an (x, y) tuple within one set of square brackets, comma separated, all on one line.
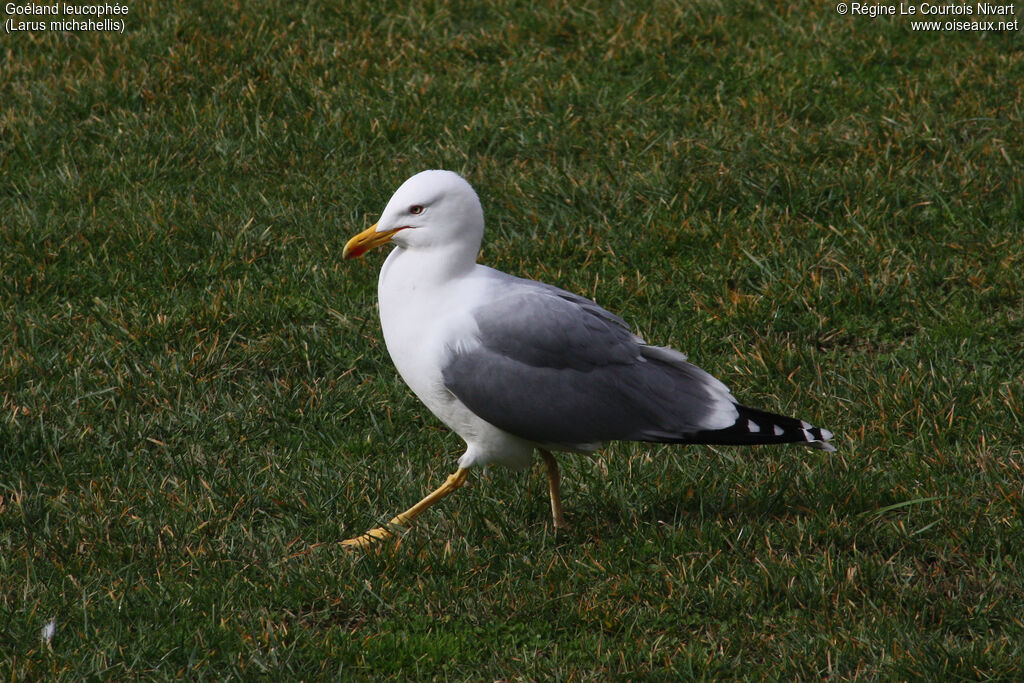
[(416, 209)]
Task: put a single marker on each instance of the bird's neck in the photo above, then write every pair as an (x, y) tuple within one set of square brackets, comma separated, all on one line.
[(411, 268), (417, 289)]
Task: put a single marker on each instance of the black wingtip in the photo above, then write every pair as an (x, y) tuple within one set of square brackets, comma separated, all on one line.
[(755, 426)]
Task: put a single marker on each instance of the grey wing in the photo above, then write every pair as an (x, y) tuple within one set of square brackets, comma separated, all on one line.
[(556, 368)]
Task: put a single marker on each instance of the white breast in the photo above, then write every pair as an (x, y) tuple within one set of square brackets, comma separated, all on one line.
[(423, 320)]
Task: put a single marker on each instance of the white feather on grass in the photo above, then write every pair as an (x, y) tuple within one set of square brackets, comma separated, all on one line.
[(49, 629)]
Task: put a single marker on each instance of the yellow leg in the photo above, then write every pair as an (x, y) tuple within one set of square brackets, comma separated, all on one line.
[(554, 489), (451, 484)]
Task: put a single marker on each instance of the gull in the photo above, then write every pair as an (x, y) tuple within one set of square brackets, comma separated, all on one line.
[(515, 366)]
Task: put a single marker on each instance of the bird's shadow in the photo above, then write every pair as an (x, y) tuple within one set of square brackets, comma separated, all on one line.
[(616, 506)]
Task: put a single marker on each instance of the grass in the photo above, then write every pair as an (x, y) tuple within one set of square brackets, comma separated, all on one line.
[(195, 402)]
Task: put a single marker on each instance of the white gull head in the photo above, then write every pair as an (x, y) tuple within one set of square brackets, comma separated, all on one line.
[(431, 210)]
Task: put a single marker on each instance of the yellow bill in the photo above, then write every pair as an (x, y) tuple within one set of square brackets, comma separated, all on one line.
[(366, 240)]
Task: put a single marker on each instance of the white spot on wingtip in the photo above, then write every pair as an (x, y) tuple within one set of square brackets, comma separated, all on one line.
[(805, 425), (825, 434), (807, 435), (779, 430), (752, 426)]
